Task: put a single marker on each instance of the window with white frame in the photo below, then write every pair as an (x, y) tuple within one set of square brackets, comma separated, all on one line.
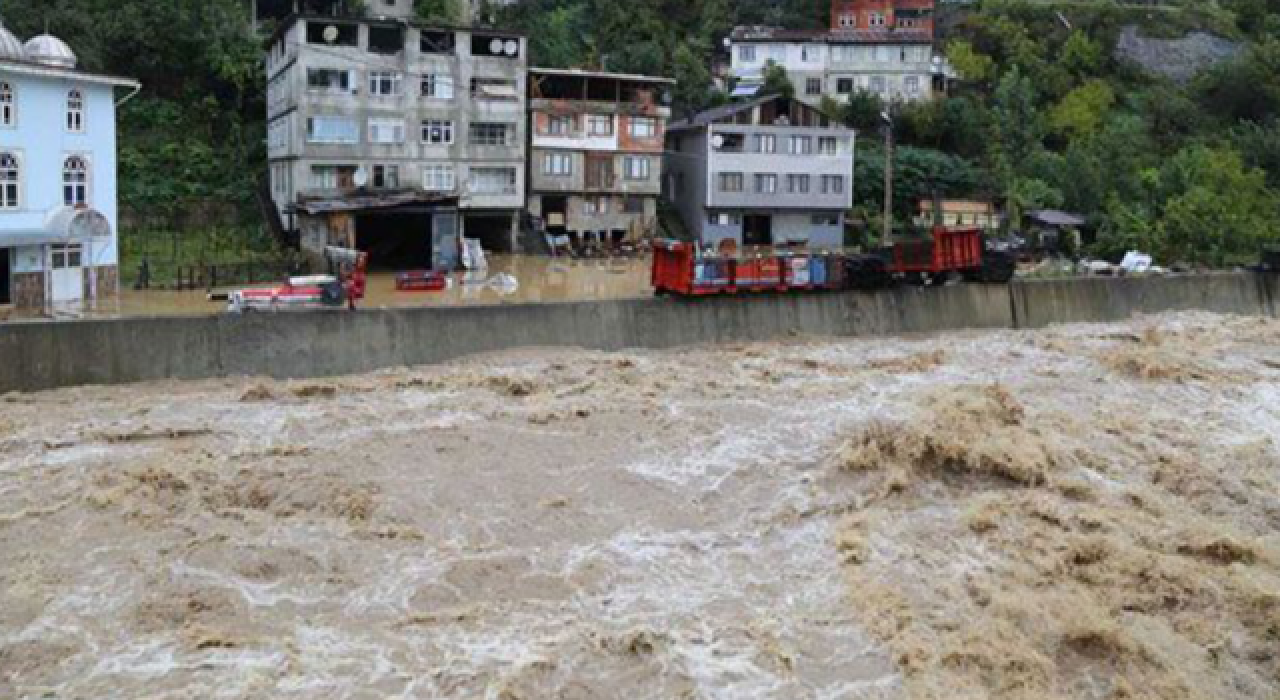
[(766, 184), (801, 145), (437, 86), (386, 177), (599, 125), (75, 111), (731, 182), (334, 130), (383, 130), (798, 184), (848, 21), (833, 184), (595, 205), (385, 83), (332, 177), (8, 108), (328, 80), (911, 85), (492, 181), (437, 131), (636, 168), (75, 182), (876, 20), (66, 255), (10, 181), (558, 164), (489, 134), (844, 86), (766, 143), (438, 178), (813, 86), (828, 145), (747, 53), (559, 125), (644, 127)]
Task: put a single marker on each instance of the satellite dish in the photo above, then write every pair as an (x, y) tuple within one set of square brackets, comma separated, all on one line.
[(512, 47), (330, 34), (495, 47), (361, 177), (718, 141)]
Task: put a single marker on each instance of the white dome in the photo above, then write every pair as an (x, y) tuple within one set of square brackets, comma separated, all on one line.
[(51, 51), (10, 47)]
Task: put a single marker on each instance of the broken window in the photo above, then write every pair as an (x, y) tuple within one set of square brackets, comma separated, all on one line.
[(495, 46), (729, 143), (387, 41), (328, 79), (437, 42), (333, 34)]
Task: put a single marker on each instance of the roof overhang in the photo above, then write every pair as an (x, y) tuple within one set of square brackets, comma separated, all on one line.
[(366, 202), (43, 71), (573, 73)]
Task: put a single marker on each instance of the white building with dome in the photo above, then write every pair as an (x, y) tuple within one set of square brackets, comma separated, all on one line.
[(58, 246)]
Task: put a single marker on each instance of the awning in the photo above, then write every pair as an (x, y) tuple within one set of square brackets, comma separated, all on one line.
[(746, 89), (17, 239)]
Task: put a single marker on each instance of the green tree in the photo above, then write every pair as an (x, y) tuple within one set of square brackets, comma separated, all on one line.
[(776, 81), (968, 62), (1083, 110), (1081, 56)]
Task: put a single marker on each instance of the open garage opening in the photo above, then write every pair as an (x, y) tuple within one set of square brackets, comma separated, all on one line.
[(494, 231), (395, 240)]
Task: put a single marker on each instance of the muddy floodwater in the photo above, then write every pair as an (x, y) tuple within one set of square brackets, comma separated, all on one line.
[(1089, 511), (536, 279)]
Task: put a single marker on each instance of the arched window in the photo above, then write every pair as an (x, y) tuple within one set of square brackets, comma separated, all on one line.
[(8, 111), (10, 181), (75, 111), (75, 182)]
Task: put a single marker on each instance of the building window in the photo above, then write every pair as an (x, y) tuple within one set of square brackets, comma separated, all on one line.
[(766, 143), (826, 220), (633, 205), (385, 83), (558, 164), (747, 54), (844, 86), (833, 184), (731, 182), (438, 178), (876, 20), (8, 110), (813, 86), (386, 131), (644, 127), (911, 84), (724, 219), (332, 130), (798, 184), (437, 86), (635, 168), (493, 181), (766, 184), (386, 177), (437, 131), (333, 177), (75, 111), (882, 54), (801, 145), (10, 181), (877, 84), (906, 23), (598, 125), (328, 80), (828, 146), (437, 42), (592, 206), (810, 54), (387, 41), (848, 21), (489, 134), (66, 255), (559, 125), (75, 182)]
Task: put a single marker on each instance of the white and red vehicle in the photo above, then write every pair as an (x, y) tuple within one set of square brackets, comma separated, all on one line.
[(312, 292)]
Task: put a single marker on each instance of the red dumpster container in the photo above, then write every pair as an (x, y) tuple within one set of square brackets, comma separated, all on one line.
[(763, 274), (421, 281), (678, 269)]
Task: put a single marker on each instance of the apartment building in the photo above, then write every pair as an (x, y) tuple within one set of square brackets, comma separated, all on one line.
[(58, 239), (908, 15), (596, 159), (770, 171), (397, 138)]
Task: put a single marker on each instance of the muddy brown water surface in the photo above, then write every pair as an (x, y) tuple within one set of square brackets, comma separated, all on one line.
[(749, 521)]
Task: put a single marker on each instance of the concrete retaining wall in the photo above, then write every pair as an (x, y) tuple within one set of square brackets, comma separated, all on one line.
[(47, 355)]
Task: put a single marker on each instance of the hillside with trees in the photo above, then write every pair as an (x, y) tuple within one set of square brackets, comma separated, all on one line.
[(1047, 116)]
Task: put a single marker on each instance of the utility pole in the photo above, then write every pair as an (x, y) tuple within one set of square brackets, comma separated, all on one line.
[(887, 118)]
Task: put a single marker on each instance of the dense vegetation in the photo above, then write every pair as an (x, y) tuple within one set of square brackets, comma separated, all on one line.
[(1046, 117)]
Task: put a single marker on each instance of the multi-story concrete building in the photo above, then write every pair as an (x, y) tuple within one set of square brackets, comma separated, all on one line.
[(913, 15), (58, 247), (770, 171), (394, 137), (596, 161), (896, 65)]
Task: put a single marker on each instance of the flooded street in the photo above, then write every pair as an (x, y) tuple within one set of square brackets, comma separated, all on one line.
[(537, 279), (825, 519)]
